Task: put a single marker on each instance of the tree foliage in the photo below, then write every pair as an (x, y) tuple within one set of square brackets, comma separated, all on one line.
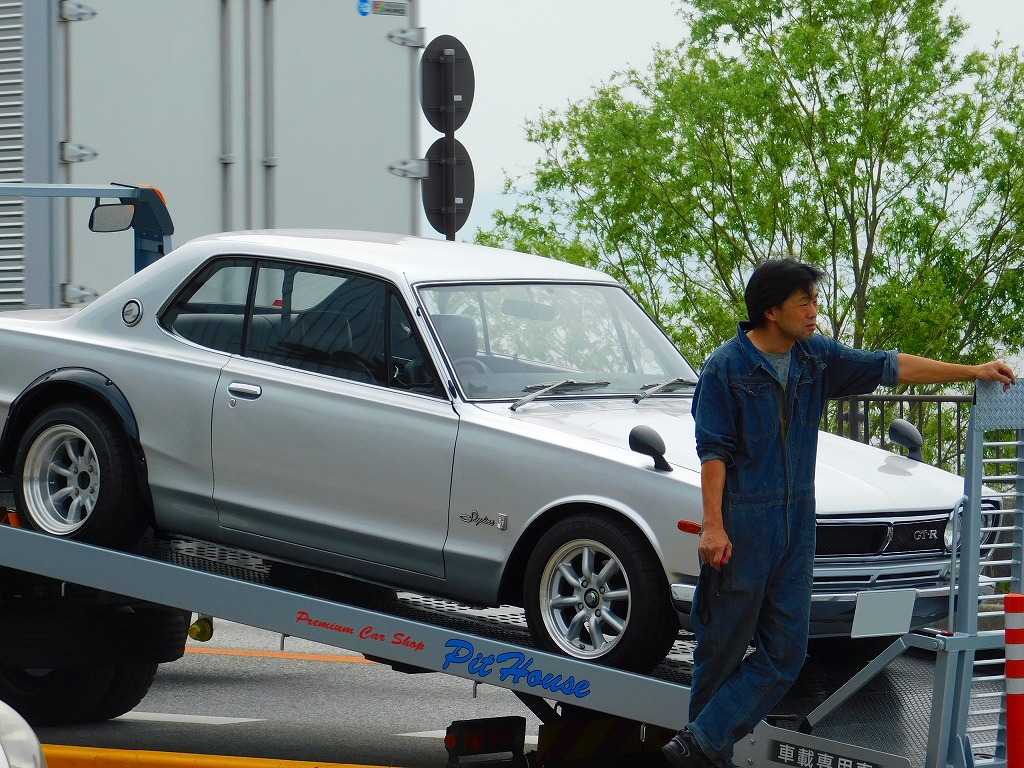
[(849, 133)]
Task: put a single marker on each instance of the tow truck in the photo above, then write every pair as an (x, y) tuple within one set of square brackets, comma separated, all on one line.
[(85, 628)]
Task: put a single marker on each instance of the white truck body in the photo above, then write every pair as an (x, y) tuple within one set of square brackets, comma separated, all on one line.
[(246, 115)]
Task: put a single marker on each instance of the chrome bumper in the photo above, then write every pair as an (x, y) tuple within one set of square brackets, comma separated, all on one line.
[(682, 595)]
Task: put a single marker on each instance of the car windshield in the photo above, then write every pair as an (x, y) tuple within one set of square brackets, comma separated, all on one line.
[(508, 340)]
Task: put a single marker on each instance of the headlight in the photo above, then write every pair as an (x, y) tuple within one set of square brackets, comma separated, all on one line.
[(990, 515), (947, 535)]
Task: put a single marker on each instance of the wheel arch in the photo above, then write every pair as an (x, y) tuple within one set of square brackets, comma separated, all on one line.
[(513, 577), (73, 385)]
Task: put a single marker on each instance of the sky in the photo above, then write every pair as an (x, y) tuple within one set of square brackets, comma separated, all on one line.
[(530, 56)]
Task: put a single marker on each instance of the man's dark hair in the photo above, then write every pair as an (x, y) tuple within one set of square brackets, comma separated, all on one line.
[(774, 281)]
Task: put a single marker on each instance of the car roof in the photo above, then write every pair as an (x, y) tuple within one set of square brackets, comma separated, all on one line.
[(418, 259)]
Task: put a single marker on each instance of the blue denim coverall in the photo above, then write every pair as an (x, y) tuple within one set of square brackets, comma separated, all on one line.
[(768, 439)]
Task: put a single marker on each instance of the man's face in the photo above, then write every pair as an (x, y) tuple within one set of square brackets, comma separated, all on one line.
[(797, 316)]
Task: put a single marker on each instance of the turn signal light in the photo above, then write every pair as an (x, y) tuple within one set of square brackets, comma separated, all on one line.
[(486, 736), (688, 526)]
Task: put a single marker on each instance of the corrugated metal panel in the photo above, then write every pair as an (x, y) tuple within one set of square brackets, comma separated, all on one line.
[(12, 153)]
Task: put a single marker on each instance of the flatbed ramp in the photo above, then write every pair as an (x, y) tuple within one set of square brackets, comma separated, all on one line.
[(412, 634)]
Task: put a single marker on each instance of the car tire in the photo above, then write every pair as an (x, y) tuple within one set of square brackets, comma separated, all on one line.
[(595, 591), (54, 696), (74, 478), (129, 685)]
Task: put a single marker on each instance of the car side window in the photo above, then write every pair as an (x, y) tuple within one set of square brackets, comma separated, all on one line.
[(210, 311), (335, 323), (319, 320)]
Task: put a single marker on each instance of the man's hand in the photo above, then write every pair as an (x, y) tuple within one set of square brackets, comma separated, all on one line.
[(997, 370), (715, 547)]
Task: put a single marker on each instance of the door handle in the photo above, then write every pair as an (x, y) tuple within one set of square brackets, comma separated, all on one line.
[(244, 391)]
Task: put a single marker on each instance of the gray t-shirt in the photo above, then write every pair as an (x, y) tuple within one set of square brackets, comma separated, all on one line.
[(779, 362)]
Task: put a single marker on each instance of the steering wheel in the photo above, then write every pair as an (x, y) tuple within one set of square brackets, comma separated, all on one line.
[(470, 365)]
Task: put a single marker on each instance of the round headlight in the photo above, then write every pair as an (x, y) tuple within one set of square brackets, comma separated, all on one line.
[(947, 535)]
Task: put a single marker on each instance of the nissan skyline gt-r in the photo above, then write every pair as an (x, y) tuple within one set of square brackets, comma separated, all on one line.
[(482, 425)]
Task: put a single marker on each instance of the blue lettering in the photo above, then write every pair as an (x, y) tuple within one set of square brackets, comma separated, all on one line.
[(514, 666), (518, 670), (462, 653)]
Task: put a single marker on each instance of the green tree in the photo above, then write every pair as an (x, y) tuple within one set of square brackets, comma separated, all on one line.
[(845, 132)]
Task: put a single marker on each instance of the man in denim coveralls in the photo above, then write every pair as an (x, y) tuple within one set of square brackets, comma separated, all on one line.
[(757, 407)]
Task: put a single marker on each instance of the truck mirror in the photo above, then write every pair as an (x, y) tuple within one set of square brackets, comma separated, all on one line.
[(112, 217)]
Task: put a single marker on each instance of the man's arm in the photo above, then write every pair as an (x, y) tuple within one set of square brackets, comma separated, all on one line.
[(922, 370), (715, 546)]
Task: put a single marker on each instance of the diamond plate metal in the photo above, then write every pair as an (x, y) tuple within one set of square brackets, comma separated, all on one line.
[(996, 409)]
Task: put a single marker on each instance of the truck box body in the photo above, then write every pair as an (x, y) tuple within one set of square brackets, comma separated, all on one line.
[(247, 115)]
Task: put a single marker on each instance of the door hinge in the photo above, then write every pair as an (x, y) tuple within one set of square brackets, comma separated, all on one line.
[(411, 169), (76, 153), (411, 38), (73, 11), (73, 295)]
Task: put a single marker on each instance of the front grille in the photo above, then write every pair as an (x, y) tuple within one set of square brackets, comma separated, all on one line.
[(880, 537), (871, 537), (844, 540)]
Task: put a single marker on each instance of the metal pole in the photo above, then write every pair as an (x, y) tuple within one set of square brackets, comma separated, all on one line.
[(269, 157), (227, 156), (247, 107), (414, 121), (448, 62)]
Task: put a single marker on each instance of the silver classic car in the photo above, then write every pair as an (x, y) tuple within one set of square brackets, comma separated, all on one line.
[(483, 425)]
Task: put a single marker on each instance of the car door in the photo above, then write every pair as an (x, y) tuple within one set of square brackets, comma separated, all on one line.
[(333, 441)]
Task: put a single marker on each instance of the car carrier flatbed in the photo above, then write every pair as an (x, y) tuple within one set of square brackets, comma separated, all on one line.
[(231, 585)]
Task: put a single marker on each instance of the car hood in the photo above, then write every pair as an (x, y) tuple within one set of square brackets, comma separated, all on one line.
[(852, 478)]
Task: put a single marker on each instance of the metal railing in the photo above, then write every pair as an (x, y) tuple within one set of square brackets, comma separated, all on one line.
[(967, 728), (976, 695)]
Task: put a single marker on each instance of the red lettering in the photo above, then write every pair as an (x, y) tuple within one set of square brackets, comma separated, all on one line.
[(367, 633), (400, 638), (302, 617)]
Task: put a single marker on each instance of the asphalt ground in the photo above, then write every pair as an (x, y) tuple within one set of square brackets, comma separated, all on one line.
[(240, 700)]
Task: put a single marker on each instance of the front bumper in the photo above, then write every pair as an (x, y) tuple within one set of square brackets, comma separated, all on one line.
[(832, 612)]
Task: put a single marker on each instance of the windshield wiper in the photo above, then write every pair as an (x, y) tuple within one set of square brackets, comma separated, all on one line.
[(553, 388), (664, 386)]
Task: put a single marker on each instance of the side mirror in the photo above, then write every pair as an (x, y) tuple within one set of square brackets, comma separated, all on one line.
[(906, 435), (645, 440), (111, 217)]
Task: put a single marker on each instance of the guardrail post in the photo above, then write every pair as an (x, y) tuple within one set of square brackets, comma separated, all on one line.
[(1014, 630)]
